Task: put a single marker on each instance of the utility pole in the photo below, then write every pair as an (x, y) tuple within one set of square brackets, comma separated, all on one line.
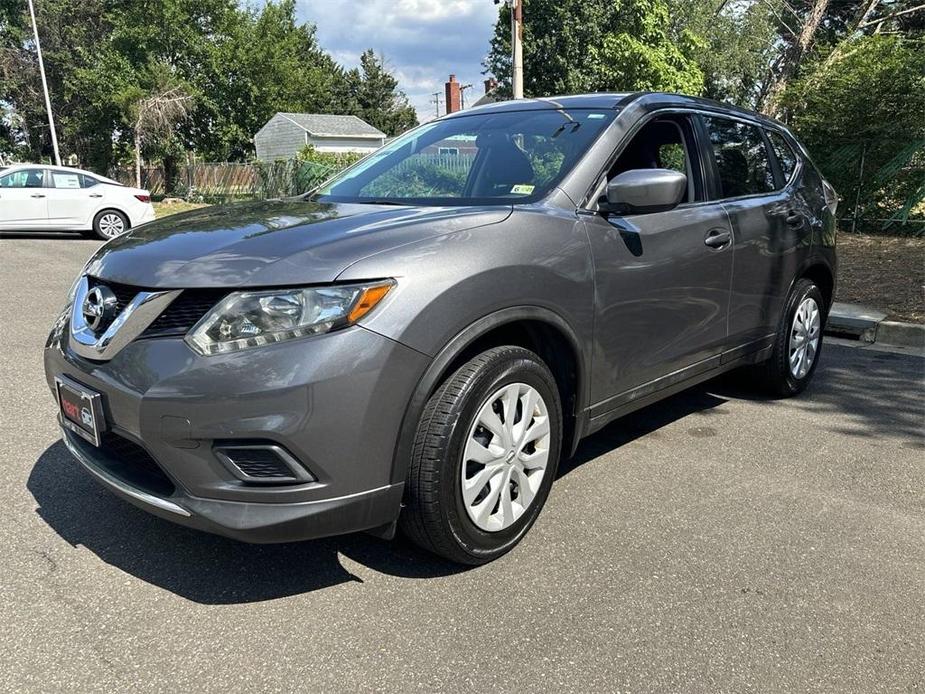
[(51, 118), (517, 28), (436, 102), (462, 94)]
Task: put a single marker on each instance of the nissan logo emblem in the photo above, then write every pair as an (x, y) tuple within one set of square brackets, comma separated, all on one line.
[(99, 308)]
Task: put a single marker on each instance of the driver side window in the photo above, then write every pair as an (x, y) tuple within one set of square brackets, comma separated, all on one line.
[(664, 143), (24, 178)]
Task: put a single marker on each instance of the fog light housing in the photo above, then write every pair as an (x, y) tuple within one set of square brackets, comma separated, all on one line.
[(262, 463)]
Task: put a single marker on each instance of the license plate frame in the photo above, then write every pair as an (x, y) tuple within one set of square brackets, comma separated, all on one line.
[(81, 409)]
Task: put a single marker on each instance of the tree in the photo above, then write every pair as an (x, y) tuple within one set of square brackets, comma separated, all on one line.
[(736, 42), (595, 45), (868, 103), (241, 63), (373, 95), (154, 115)]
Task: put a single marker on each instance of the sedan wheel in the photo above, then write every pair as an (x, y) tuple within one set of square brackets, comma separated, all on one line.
[(110, 223)]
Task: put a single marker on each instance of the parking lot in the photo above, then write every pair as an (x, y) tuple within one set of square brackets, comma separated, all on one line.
[(715, 542)]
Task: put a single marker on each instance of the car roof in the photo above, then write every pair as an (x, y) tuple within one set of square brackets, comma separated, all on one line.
[(616, 100), (65, 169)]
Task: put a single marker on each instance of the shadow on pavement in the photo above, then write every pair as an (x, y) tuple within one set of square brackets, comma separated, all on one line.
[(196, 565), (46, 235), (874, 394)]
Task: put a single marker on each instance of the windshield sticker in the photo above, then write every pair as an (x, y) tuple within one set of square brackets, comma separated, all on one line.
[(522, 189)]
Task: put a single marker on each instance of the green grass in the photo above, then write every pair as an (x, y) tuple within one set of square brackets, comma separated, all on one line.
[(162, 209)]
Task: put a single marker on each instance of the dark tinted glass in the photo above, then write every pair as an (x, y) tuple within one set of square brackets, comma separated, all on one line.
[(741, 157), (784, 152), (87, 181), (477, 159)]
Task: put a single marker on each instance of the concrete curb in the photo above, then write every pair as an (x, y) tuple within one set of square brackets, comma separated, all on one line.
[(870, 325)]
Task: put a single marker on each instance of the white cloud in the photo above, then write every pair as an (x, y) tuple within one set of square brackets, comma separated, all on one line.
[(422, 41)]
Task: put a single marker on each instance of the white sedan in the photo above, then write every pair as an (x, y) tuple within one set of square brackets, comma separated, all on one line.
[(35, 197)]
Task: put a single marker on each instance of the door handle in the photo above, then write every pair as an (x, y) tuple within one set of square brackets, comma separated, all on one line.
[(717, 238), (95, 195), (37, 195)]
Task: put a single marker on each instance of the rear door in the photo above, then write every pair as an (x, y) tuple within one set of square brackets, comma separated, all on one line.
[(69, 202), (23, 201), (661, 279), (768, 230)]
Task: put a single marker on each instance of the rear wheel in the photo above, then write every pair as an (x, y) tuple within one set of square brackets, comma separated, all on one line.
[(484, 457), (110, 223), (798, 344)]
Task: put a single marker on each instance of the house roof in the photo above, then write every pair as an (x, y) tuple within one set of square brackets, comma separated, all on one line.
[(328, 125)]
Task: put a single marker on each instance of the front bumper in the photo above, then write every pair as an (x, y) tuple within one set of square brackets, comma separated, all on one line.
[(335, 402)]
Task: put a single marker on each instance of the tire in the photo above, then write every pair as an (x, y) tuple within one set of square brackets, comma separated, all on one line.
[(436, 516), (108, 224), (778, 376)]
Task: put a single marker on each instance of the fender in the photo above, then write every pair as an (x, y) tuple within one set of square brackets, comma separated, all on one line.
[(432, 376), (812, 260)]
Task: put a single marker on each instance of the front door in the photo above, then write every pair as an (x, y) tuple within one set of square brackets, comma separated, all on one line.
[(23, 201), (661, 279)]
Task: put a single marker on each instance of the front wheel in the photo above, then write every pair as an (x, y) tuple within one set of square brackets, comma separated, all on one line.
[(798, 343), (484, 457)]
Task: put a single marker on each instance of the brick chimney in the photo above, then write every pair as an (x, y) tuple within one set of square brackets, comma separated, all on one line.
[(453, 100)]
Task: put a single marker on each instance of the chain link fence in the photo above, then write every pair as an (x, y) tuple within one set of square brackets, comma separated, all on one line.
[(877, 196)]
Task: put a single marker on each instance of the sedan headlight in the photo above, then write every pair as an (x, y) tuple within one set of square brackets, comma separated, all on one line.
[(250, 319)]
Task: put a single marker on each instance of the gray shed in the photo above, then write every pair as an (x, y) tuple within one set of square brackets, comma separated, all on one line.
[(287, 133)]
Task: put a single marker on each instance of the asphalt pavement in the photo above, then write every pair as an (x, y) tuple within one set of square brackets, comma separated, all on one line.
[(717, 542)]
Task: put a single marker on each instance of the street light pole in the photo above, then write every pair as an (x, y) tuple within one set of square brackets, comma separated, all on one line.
[(51, 118), (517, 27)]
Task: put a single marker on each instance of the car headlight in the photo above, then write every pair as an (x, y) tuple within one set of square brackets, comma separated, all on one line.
[(254, 318)]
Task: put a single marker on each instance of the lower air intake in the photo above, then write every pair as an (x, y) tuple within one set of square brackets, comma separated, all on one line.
[(262, 463)]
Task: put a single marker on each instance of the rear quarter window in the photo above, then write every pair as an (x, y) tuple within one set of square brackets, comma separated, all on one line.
[(786, 157)]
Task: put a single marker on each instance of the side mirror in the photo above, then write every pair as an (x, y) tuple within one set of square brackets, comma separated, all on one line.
[(644, 190)]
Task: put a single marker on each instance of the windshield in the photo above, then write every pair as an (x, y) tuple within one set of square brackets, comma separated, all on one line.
[(517, 156)]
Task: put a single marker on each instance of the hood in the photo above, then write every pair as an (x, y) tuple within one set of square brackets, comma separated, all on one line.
[(272, 243)]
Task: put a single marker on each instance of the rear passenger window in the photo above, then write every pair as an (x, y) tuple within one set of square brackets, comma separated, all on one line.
[(62, 179), (87, 181), (784, 152), (741, 158)]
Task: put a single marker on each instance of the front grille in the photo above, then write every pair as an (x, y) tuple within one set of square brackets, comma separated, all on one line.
[(184, 312), (127, 461), (178, 318)]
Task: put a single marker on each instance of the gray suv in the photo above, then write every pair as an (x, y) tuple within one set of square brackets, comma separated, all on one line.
[(417, 343)]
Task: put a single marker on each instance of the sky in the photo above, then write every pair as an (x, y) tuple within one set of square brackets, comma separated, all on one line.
[(422, 41)]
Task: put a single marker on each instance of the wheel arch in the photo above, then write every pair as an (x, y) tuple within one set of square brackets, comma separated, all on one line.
[(538, 329), (821, 274)]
